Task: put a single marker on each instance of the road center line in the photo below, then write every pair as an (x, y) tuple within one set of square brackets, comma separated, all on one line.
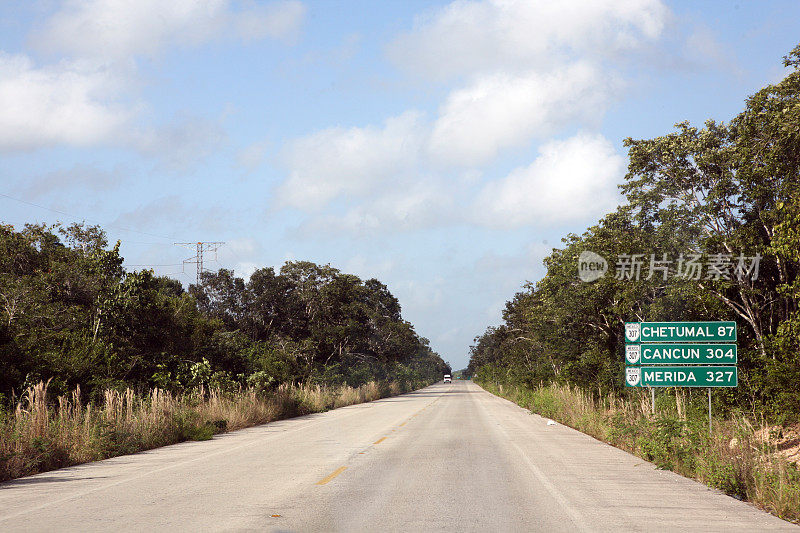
[(254, 440), (332, 475)]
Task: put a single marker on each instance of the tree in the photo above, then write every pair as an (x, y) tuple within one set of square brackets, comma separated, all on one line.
[(724, 191)]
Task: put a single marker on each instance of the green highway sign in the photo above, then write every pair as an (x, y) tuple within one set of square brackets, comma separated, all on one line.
[(678, 353), (653, 349), (680, 332), (681, 376)]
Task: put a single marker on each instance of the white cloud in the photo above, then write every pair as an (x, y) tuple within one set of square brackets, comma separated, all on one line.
[(122, 28), (287, 257), (528, 70), (514, 269), (571, 180), (703, 48), (400, 167), (245, 269), (352, 161), (173, 212), (278, 20), (70, 103), (79, 177), (366, 267), (473, 126), (245, 246), (242, 253), (393, 165), (421, 296), (501, 110), (180, 143), (81, 104), (406, 207), (252, 156), (501, 35), (86, 101)]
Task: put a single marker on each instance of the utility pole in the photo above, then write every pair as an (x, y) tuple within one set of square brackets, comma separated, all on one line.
[(201, 248)]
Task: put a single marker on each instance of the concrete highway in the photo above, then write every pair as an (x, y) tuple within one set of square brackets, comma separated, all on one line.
[(451, 457)]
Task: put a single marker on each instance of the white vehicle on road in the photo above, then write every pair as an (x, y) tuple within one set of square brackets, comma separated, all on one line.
[(447, 378)]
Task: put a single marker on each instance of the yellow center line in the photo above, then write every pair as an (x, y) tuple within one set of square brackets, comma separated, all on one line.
[(379, 440), (332, 475), (403, 424)]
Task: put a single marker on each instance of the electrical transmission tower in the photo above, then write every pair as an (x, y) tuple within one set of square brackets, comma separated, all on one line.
[(201, 248)]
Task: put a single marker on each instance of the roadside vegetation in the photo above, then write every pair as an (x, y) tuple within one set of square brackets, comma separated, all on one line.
[(43, 433), (97, 361), (743, 459), (715, 194)]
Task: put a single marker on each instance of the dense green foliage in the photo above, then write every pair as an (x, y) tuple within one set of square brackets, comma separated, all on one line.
[(70, 313), (726, 189)]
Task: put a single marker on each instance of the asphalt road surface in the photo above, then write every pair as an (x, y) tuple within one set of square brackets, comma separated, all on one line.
[(451, 457)]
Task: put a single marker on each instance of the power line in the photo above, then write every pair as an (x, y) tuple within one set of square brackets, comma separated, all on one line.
[(197, 259), (169, 265), (76, 217), (200, 247), (142, 243)]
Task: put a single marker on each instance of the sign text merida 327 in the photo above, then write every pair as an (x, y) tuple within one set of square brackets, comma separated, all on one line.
[(681, 376), (680, 332)]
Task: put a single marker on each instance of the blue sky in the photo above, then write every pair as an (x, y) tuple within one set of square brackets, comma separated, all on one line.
[(441, 147)]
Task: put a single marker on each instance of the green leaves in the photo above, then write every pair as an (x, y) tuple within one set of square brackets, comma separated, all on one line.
[(71, 313), (720, 190)]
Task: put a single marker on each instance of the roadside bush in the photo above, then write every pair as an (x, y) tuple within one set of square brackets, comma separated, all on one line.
[(43, 433)]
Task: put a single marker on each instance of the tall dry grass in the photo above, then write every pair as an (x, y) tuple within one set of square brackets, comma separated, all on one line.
[(44, 433), (735, 457)]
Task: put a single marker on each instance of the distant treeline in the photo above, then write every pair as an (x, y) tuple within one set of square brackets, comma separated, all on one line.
[(71, 314), (715, 198)]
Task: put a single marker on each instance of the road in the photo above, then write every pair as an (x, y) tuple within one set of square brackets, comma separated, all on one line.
[(450, 457)]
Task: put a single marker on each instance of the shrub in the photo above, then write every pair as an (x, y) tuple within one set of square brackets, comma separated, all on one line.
[(41, 434)]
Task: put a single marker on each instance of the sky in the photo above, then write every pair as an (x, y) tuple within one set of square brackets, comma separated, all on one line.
[(442, 147)]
